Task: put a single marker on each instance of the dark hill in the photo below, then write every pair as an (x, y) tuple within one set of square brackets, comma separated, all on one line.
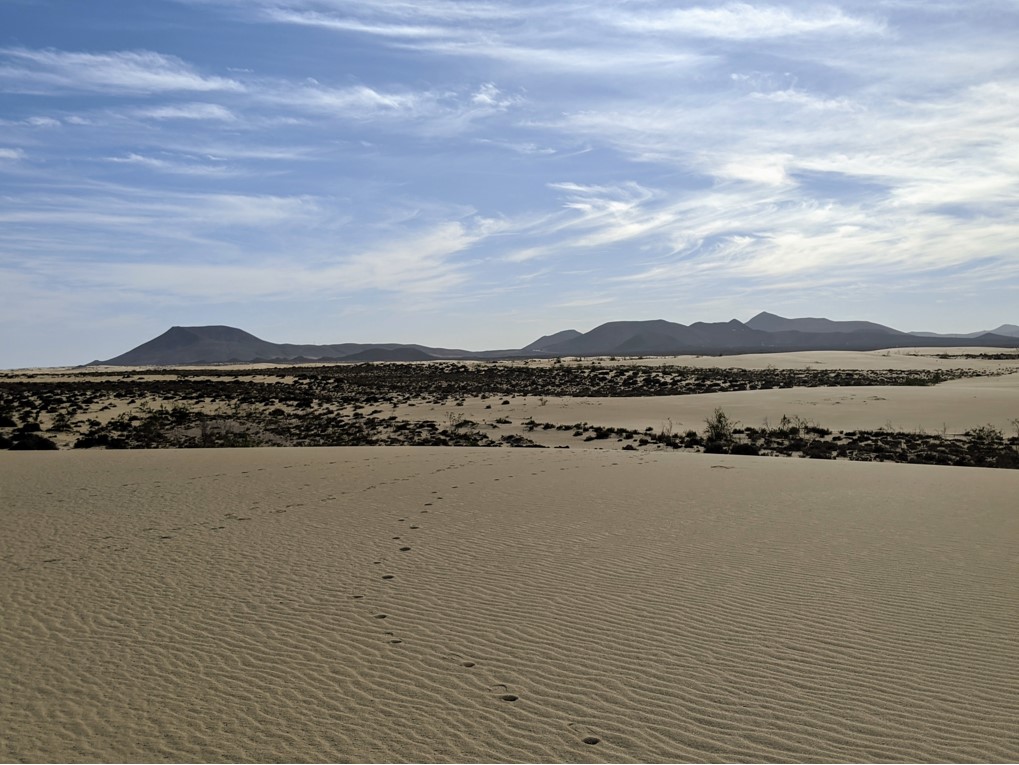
[(1005, 330), (548, 340), (659, 337), (769, 322), (390, 354), (219, 344)]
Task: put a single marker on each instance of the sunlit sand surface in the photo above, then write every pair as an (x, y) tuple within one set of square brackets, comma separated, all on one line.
[(504, 605)]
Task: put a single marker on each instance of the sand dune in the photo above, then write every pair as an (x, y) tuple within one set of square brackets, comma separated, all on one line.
[(504, 605), (954, 406)]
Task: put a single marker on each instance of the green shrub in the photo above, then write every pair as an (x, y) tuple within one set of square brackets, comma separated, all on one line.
[(718, 433)]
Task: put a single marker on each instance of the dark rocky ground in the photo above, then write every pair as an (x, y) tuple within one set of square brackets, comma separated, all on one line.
[(351, 404), (980, 447)]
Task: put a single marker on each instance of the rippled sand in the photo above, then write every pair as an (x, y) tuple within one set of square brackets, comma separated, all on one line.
[(504, 605)]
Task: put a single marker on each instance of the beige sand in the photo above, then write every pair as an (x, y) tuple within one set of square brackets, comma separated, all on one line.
[(893, 358), (228, 605), (952, 407)]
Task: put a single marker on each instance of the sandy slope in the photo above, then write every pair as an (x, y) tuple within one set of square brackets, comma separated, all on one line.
[(234, 605), (954, 406), (894, 358)]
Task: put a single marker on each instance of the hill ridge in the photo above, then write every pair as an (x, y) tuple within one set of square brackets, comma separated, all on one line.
[(765, 332)]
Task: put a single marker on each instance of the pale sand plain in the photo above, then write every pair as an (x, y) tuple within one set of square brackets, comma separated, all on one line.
[(952, 407), (236, 605)]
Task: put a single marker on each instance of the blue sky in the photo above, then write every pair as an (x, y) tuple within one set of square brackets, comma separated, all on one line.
[(476, 174)]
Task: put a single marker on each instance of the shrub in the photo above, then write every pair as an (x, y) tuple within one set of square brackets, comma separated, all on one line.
[(33, 442), (986, 434), (747, 449), (719, 429)]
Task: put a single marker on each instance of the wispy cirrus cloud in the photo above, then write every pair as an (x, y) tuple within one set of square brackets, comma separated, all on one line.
[(187, 111), (546, 37), (27, 70), (226, 247), (358, 101), (170, 165), (742, 21)]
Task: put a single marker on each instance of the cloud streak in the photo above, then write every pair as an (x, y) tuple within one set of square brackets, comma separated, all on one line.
[(745, 21), (25, 70)]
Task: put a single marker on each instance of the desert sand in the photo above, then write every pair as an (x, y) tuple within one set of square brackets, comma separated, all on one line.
[(428, 604), (953, 407)]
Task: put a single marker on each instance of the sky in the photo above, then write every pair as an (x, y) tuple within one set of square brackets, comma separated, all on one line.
[(478, 173)]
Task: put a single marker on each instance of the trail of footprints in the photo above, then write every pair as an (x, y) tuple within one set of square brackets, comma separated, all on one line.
[(499, 691)]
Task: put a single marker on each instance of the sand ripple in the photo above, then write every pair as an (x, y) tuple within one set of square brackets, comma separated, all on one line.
[(503, 605)]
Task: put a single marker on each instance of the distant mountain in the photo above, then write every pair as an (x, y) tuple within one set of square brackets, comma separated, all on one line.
[(544, 342), (659, 337), (764, 333), (405, 353), (219, 345), (1005, 330), (769, 322)]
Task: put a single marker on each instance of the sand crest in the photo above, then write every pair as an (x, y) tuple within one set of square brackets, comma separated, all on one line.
[(504, 605)]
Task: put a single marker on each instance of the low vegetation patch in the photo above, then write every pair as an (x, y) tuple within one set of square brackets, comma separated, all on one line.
[(354, 405)]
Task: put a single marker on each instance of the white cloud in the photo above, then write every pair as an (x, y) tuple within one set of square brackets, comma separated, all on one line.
[(550, 36), (525, 147), (42, 122), (595, 216), (345, 24), (191, 111), (26, 70), (744, 21), (799, 98), (8, 153), (769, 169), (488, 95), (417, 264), (168, 165), (356, 102), (450, 11)]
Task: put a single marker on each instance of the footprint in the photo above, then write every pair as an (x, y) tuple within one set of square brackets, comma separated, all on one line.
[(388, 576), (590, 740), (404, 549), (509, 697)]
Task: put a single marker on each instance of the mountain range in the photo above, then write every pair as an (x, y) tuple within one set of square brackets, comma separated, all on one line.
[(764, 333)]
